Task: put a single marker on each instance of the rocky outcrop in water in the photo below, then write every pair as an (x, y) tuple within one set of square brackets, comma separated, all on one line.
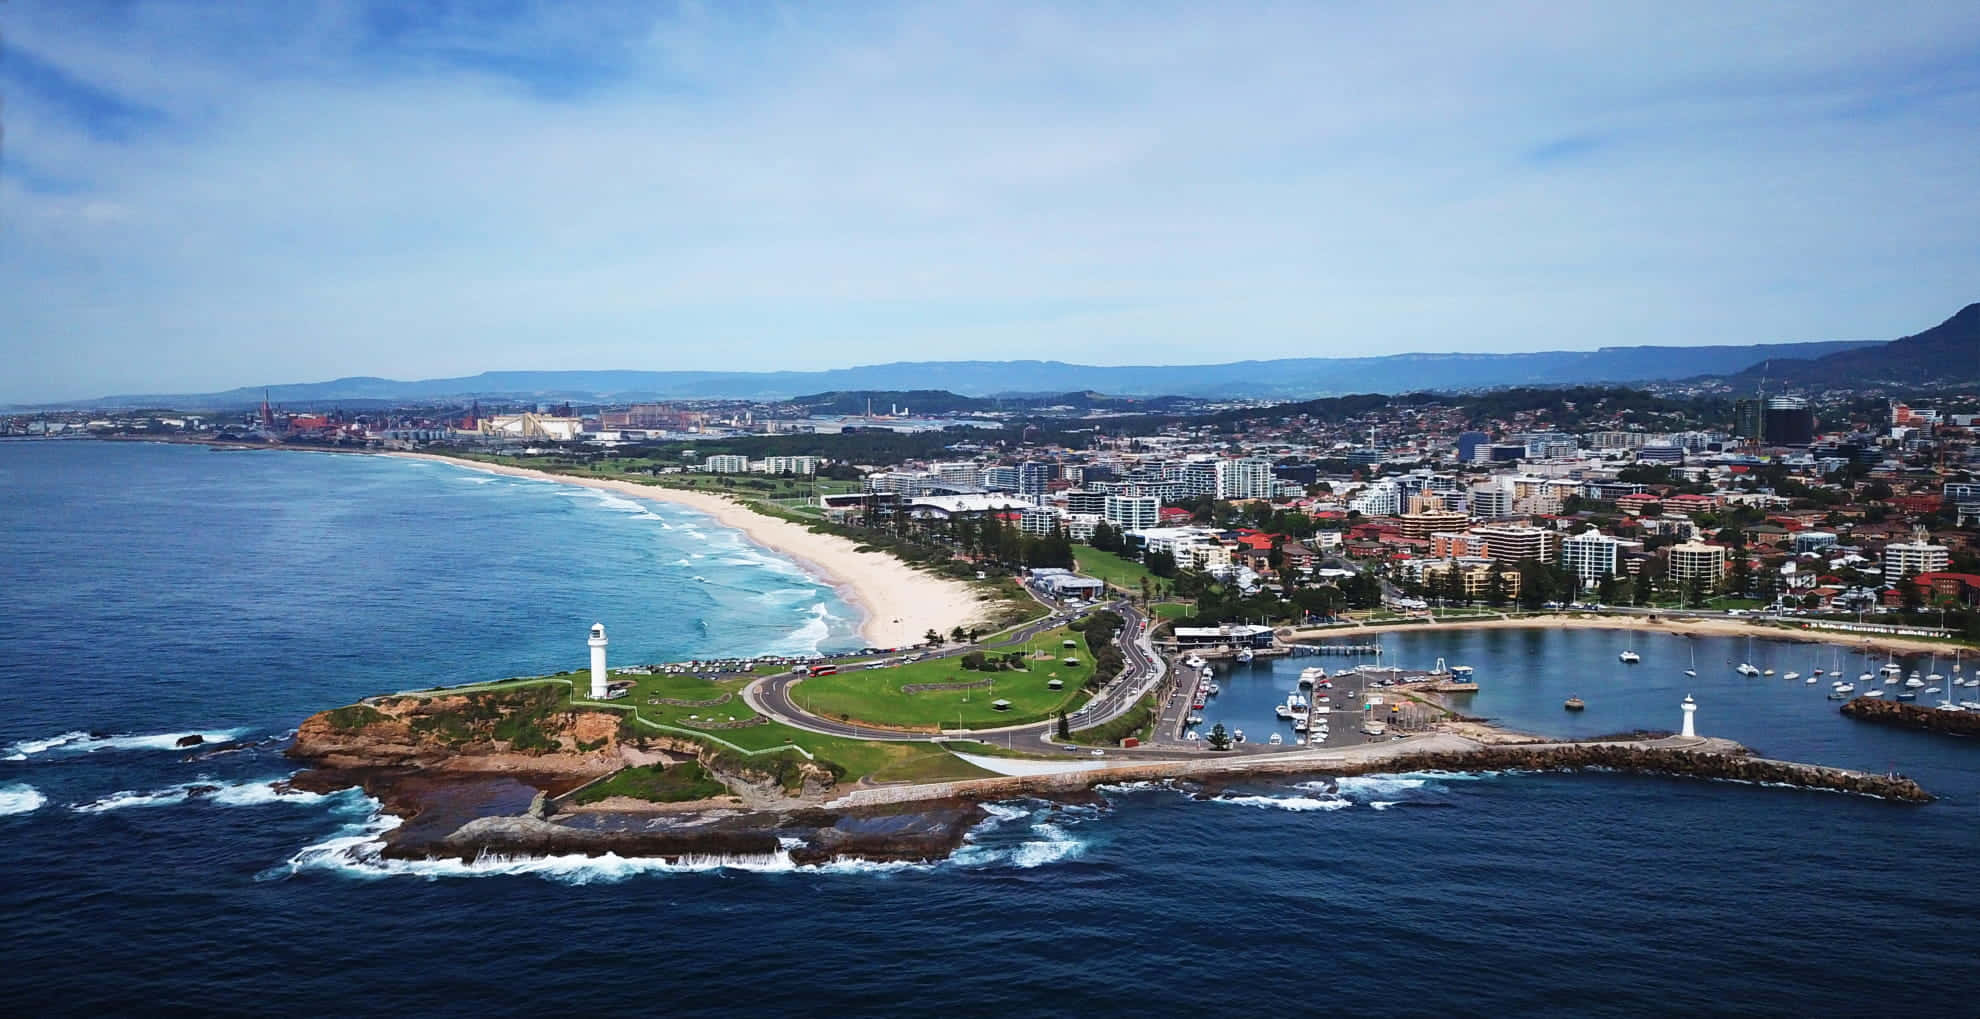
[(1912, 716)]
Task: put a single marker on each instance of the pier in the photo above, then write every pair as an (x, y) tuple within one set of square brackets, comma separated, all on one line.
[(1333, 649)]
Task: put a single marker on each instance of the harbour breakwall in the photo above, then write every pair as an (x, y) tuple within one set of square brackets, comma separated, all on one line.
[(1911, 716), (1716, 760)]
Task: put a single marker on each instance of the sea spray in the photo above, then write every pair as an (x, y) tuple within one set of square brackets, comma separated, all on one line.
[(20, 798)]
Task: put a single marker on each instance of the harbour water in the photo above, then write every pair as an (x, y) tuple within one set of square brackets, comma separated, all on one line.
[(154, 591)]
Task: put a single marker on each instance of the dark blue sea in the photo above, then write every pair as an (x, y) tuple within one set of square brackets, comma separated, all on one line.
[(152, 591)]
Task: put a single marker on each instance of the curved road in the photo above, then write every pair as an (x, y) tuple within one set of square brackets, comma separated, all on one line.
[(771, 696)]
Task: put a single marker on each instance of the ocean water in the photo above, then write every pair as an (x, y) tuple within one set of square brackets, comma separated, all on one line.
[(152, 591)]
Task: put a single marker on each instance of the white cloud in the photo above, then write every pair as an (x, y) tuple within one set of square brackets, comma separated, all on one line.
[(806, 189)]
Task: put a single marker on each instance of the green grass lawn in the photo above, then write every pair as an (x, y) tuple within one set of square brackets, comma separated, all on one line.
[(1172, 610), (874, 695), (678, 783), (1125, 574)]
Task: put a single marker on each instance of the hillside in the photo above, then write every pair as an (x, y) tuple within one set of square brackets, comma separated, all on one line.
[(1286, 378), (1946, 354)]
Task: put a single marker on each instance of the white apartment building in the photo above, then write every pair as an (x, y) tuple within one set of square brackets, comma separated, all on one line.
[(1919, 555), (957, 473), (1490, 501), (906, 484), (726, 463), (787, 465), (1507, 542), (1244, 478), (1695, 559), (1040, 522), (1591, 555), (1132, 512), (1381, 499)]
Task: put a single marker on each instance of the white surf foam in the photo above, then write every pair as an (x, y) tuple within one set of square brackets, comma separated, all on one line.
[(1294, 803), (20, 798), (227, 794), (357, 850), (82, 742), (807, 639), (1364, 787)]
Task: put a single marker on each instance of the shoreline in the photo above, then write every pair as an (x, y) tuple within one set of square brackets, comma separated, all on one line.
[(1679, 626), (898, 603)]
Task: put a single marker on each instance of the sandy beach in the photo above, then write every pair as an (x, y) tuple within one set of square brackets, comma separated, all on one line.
[(900, 603), (1679, 625)]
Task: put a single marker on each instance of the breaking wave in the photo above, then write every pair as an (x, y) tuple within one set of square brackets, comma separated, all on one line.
[(20, 798), (1002, 840), (83, 742), (225, 794), (1297, 803)]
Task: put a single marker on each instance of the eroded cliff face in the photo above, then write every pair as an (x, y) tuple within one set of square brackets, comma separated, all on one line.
[(522, 731), (525, 729)]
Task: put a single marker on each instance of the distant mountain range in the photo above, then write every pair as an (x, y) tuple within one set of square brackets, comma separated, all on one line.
[(1946, 354), (1927, 356)]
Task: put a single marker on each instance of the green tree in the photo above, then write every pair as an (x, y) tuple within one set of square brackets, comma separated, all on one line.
[(1605, 589), (1065, 727), (958, 635), (1740, 580), (1909, 594), (1496, 591), (931, 637), (1219, 739)]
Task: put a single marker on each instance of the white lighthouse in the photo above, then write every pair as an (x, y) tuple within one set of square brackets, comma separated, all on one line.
[(597, 643), (1690, 709)]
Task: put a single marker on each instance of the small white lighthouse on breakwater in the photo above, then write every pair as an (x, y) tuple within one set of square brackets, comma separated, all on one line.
[(598, 688), (1690, 709)]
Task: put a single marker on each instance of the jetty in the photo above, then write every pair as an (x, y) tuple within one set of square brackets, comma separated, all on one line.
[(1332, 649)]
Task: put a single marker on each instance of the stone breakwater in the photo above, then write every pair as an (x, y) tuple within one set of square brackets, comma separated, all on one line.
[(1911, 716), (1719, 761)]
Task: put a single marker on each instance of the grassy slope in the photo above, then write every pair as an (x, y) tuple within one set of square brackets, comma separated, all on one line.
[(874, 695), (1125, 574)]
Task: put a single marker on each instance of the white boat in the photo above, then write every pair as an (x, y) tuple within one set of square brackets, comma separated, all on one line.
[(1277, 740), (1192, 735), (1866, 678), (1913, 682), (1931, 689), (1245, 655), (1790, 675), (1215, 689), (1194, 661), (1845, 688), (1282, 711), (1746, 669), (1890, 678), (1693, 671), (1810, 681), (1308, 677), (1878, 692), (1299, 725), (1237, 735), (1766, 672), (1629, 657)]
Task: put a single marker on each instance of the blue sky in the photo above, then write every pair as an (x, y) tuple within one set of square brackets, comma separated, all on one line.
[(195, 196)]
